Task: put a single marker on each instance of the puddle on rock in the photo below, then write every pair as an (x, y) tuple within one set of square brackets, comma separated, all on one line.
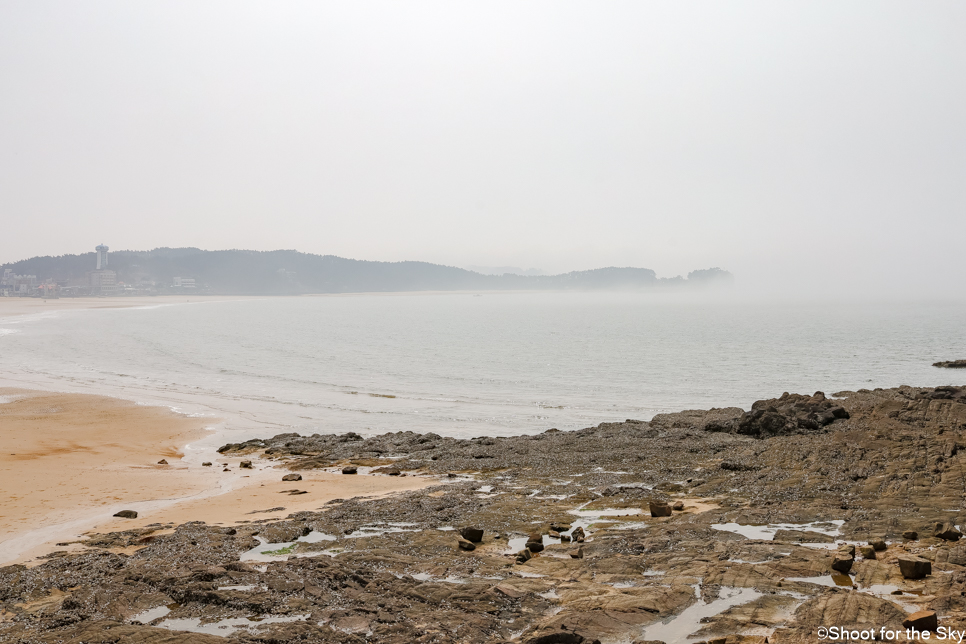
[(767, 532), (835, 580), (224, 627), (677, 628), (148, 616), (265, 551)]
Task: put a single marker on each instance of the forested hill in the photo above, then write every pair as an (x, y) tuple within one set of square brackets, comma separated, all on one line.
[(235, 272)]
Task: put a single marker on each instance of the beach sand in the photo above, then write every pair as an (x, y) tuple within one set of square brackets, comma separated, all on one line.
[(70, 461)]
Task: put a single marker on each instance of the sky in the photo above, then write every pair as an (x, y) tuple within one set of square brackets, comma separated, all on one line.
[(801, 145)]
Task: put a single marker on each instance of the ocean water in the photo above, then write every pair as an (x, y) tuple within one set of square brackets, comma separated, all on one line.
[(471, 365)]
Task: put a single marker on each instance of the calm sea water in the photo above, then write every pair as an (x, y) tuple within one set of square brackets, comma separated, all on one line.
[(465, 365)]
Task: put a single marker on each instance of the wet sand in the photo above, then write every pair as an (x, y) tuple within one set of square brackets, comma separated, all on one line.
[(15, 306), (68, 462)]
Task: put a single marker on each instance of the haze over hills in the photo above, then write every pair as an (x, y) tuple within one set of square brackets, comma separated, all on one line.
[(237, 272)]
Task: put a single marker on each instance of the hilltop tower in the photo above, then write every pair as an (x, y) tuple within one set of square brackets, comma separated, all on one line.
[(101, 257)]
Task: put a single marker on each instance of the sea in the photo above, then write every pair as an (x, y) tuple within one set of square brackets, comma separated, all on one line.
[(474, 364)]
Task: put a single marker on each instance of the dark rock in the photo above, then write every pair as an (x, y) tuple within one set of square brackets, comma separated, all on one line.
[(524, 556), (914, 567), (563, 637), (127, 514), (911, 535), (472, 534), (577, 553), (350, 469), (162, 462), (660, 509), (206, 464), (951, 364), (292, 477), (867, 552), (842, 562), (678, 506), (947, 532), (245, 465), (578, 534), (465, 545), (924, 620), (878, 544), (535, 546)]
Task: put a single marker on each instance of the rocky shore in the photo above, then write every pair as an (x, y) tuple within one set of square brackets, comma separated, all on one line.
[(716, 526)]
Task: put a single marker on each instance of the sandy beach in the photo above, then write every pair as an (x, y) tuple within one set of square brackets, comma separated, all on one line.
[(70, 461)]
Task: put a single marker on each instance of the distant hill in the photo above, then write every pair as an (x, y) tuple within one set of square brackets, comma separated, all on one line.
[(237, 272)]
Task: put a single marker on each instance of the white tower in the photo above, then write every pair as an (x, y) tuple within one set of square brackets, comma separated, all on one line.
[(101, 257)]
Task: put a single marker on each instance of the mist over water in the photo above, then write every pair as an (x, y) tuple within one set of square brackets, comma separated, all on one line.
[(470, 365)]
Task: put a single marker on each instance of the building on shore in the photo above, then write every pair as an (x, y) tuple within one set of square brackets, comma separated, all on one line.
[(103, 281)]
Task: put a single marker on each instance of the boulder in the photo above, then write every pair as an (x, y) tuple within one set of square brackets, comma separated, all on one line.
[(578, 535), (678, 505), (842, 562), (947, 532), (350, 469), (878, 544), (127, 514), (535, 546), (923, 620), (524, 556), (292, 477), (867, 552), (577, 553), (465, 545), (162, 462), (660, 509), (245, 465), (911, 535), (472, 534), (914, 567)]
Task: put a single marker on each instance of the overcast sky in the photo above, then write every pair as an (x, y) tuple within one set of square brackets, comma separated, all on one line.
[(804, 143)]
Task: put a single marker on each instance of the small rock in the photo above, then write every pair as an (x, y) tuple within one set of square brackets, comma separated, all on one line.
[(535, 536), (472, 534), (947, 532), (297, 492), (535, 546), (465, 545), (565, 538), (524, 556), (245, 465), (578, 535), (911, 535), (162, 462), (848, 549), (226, 470), (867, 552), (842, 562), (914, 567), (577, 553), (878, 544), (292, 477), (127, 514), (678, 505), (351, 469), (924, 620), (206, 464), (553, 534), (660, 509), (560, 526)]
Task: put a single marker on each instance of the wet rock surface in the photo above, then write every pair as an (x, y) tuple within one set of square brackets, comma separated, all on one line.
[(751, 552)]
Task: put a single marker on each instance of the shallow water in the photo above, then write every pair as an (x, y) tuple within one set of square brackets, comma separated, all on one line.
[(676, 629), (224, 627), (767, 532), (459, 365)]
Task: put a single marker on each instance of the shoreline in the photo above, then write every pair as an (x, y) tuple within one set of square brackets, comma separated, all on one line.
[(70, 461)]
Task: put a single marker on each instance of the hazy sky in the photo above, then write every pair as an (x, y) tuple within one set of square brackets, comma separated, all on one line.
[(802, 142)]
